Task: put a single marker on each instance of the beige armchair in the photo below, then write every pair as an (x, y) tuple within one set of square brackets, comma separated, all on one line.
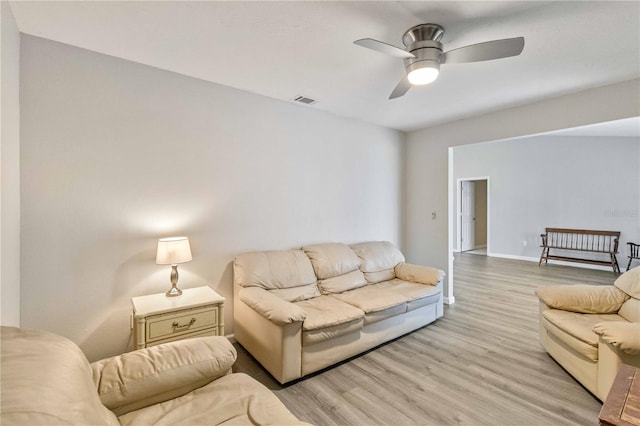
[(47, 380), (590, 330)]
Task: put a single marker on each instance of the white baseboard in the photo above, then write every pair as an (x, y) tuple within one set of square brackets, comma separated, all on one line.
[(481, 246), (513, 256), (231, 337), (449, 300), (551, 262)]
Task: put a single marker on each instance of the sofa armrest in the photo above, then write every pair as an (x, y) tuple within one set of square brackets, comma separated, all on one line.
[(582, 298), (271, 307), (623, 336), (419, 274), (148, 376)]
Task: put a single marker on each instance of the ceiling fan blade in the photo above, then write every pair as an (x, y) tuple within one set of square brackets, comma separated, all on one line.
[(402, 88), (486, 51), (382, 47)]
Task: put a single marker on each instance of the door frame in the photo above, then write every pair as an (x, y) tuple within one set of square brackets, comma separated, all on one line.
[(466, 215), (458, 221)]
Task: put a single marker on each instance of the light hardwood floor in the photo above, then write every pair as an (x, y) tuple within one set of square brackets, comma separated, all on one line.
[(481, 364)]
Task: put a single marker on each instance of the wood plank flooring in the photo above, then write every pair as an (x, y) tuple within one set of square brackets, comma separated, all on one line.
[(481, 364)]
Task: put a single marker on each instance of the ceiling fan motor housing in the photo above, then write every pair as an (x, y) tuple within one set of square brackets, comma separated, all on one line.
[(423, 41), (427, 54)]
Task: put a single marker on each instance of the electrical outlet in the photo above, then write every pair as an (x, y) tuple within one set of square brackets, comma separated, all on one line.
[(524, 243)]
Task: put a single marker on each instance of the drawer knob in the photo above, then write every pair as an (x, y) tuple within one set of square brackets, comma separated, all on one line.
[(177, 326)]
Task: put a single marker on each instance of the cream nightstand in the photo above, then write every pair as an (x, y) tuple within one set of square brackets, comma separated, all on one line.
[(160, 319)]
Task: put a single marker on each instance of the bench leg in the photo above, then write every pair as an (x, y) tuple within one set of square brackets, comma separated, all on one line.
[(543, 256), (629, 265), (614, 263)]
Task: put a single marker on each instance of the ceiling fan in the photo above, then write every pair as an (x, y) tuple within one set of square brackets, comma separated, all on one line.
[(423, 54)]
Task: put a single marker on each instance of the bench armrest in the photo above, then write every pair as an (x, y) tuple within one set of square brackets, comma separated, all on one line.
[(624, 336), (582, 298), (270, 306), (148, 376), (419, 274)]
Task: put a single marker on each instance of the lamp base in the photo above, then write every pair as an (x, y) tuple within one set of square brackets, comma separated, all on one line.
[(175, 291)]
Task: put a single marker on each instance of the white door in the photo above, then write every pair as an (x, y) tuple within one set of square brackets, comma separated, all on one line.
[(467, 215)]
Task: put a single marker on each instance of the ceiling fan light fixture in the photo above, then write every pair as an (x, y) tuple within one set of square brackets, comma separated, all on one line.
[(423, 72), (423, 54)]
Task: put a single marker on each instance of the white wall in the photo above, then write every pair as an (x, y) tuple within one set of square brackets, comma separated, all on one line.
[(555, 181), (10, 170), (117, 154), (427, 161)]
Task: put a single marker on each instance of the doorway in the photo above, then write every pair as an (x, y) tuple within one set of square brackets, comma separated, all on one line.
[(473, 215)]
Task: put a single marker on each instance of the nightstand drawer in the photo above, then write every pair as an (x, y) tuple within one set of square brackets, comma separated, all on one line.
[(202, 333), (176, 323)]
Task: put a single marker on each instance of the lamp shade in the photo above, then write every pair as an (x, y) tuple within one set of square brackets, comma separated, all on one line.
[(172, 251)]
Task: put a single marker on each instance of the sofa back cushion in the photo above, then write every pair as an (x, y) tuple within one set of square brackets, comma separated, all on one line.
[(46, 379), (629, 282), (378, 260), (336, 266), (286, 273), (630, 310)]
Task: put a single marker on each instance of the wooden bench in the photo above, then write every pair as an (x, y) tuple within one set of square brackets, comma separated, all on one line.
[(582, 240)]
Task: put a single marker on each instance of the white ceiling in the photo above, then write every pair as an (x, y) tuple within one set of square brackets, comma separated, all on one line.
[(284, 49)]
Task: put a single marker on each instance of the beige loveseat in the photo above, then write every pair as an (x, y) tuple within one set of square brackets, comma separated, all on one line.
[(298, 311), (46, 380), (590, 330)]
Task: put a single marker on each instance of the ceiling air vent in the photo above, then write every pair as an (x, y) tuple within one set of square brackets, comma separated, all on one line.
[(304, 100)]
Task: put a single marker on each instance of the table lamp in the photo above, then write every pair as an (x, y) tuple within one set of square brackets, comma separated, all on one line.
[(172, 251)]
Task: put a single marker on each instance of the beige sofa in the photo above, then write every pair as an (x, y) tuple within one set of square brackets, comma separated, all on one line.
[(298, 311), (590, 330), (46, 380)]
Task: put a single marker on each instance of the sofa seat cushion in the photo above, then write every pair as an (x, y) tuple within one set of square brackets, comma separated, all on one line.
[(232, 399), (373, 298), (412, 292), (375, 316), (576, 330), (311, 337), (327, 311)]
